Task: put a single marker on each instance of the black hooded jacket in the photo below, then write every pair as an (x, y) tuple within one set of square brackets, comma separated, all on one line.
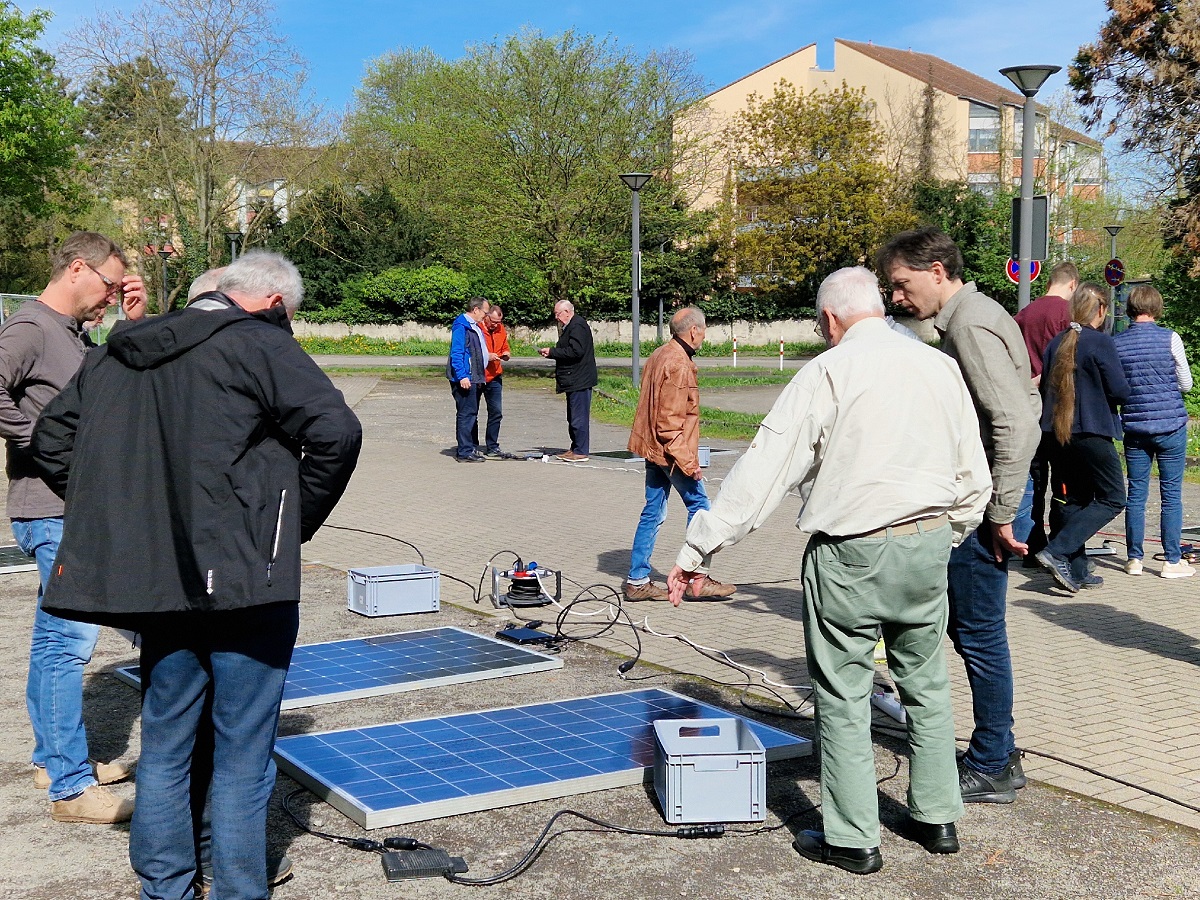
[(195, 451)]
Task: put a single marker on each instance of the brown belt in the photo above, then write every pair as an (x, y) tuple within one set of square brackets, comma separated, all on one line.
[(921, 526)]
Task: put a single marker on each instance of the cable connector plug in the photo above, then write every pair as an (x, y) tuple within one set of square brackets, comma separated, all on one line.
[(401, 843), (366, 844), (700, 831)]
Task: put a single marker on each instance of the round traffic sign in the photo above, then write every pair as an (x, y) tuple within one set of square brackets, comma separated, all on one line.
[(1013, 270), (1114, 272)]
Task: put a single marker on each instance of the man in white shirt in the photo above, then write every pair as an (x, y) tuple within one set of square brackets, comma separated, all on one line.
[(880, 437)]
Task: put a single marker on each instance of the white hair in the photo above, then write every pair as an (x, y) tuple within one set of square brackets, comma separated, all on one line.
[(260, 273), (850, 292), (205, 282), (565, 304)]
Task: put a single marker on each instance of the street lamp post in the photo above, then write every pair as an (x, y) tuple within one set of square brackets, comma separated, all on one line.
[(635, 181), (1112, 291), (164, 254), (234, 238), (1029, 80)]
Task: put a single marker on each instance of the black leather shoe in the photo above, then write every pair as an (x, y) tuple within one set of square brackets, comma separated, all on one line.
[(979, 788), (934, 838), (858, 860), (1015, 771)]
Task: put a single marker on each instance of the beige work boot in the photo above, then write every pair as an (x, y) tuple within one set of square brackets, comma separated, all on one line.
[(95, 806), (106, 773), (714, 588)]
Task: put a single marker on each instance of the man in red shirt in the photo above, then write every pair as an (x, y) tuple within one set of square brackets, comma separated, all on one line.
[(496, 336), (1040, 322)]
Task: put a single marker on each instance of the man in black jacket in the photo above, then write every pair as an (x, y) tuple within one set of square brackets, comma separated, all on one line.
[(236, 447), (574, 375)]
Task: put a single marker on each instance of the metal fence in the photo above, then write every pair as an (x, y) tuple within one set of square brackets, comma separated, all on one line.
[(10, 302)]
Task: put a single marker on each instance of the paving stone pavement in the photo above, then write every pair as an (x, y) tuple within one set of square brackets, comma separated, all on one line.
[(1103, 678)]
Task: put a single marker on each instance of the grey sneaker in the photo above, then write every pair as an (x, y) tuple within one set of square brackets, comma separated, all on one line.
[(1015, 771), (1060, 569), (278, 872)]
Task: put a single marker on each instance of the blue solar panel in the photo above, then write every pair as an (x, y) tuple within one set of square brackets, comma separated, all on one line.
[(390, 663), (423, 769)]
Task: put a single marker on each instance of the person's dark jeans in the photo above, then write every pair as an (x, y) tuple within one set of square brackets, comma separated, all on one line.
[(466, 415), (579, 420), (491, 393), (1091, 471), (1039, 472), (224, 671), (978, 590)]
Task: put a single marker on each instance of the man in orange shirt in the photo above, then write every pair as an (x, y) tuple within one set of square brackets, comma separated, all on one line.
[(496, 336)]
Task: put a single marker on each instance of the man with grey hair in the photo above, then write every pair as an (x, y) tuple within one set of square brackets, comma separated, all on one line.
[(879, 436), (236, 448), (666, 434), (42, 346), (574, 375), (205, 282)]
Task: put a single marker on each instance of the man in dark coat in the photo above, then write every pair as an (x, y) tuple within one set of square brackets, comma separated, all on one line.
[(574, 375), (236, 447)]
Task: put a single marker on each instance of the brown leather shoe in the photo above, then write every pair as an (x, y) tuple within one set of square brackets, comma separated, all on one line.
[(95, 806), (713, 588), (572, 456), (106, 773), (647, 591)]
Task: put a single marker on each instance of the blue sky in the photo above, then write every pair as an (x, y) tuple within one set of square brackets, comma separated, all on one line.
[(728, 39)]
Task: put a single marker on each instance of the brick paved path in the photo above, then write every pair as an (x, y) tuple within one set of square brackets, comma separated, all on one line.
[(1105, 678)]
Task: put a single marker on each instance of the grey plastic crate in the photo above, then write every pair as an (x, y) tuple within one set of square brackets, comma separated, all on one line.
[(709, 770), (393, 590)]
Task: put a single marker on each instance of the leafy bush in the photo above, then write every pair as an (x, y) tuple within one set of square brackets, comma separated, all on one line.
[(434, 295)]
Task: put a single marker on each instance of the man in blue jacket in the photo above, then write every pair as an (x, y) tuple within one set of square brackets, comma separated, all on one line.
[(465, 372)]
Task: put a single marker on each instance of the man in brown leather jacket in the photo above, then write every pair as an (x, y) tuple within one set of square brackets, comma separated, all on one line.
[(666, 433)]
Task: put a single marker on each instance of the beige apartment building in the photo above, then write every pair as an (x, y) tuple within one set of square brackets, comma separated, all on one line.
[(975, 125)]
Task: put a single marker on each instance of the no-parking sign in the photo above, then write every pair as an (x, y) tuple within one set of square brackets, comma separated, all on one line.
[(1114, 272), (1013, 270)]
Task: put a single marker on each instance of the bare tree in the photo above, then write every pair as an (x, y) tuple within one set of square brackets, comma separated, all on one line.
[(219, 116)]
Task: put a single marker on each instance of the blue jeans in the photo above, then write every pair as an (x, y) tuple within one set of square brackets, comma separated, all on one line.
[(1095, 486), (978, 589), (466, 418), (1170, 451), (224, 671), (492, 392), (658, 488), (57, 654), (579, 420), (1024, 522)]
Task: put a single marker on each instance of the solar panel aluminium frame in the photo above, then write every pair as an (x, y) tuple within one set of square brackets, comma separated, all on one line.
[(14, 559), (779, 745), (535, 661)]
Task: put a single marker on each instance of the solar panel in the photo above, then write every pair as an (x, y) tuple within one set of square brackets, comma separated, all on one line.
[(333, 671), (14, 559), (423, 769)]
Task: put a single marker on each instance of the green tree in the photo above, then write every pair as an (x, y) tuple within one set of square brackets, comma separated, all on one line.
[(1141, 80), (810, 193), (39, 127), (514, 152), (334, 234)]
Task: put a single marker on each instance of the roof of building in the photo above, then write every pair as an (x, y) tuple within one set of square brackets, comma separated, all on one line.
[(951, 79)]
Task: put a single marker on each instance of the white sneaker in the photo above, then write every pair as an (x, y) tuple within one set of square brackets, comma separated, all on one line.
[(1133, 567), (1177, 570)]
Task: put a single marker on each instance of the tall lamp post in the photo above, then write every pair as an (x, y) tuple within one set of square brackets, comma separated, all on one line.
[(164, 254), (635, 181), (1029, 80), (234, 238)]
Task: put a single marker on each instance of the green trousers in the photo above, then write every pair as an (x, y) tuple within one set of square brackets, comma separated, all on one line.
[(853, 588)]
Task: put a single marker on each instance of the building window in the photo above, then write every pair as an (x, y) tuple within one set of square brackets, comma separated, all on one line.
[(984, 133)]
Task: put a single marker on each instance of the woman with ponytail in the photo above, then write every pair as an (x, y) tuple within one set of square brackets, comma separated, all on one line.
[(1080, 394)]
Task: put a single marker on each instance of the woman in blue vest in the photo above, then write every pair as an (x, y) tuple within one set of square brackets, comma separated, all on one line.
[(1083, 383), (1155, 423)]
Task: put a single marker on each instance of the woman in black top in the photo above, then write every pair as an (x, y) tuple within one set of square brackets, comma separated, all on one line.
[(1083, 383)]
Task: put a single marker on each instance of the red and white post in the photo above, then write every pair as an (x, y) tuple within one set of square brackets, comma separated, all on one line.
[(781, 353), (735, 351)]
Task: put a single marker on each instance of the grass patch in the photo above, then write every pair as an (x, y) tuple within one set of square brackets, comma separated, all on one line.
[(361, 345)]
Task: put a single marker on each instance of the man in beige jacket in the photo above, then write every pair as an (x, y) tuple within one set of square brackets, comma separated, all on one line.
[(666, 433)]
